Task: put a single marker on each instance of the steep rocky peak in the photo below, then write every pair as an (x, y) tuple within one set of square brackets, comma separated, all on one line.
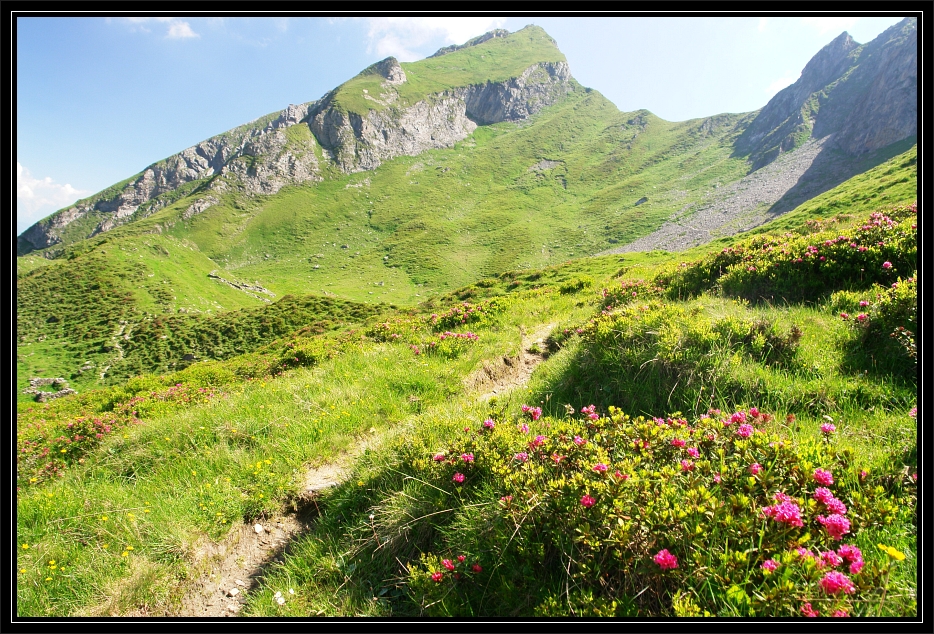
[(828, 64)]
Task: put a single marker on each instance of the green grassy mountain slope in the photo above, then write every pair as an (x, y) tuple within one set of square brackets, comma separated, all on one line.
[(121, 490)]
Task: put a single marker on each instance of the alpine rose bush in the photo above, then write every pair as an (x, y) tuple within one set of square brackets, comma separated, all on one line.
[(611, 505)]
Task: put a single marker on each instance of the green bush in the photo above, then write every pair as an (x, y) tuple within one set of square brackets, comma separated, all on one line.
[(615, 516)]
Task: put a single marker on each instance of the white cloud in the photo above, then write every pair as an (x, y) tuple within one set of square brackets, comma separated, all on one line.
[(36, 198), (180, 30), (837, 24), (400, 36), (778, 84)]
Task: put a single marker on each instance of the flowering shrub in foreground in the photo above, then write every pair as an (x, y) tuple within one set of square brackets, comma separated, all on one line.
[(600, 517)]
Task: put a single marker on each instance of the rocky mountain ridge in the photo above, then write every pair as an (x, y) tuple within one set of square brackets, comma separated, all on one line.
[(263, 156), (865, 95)]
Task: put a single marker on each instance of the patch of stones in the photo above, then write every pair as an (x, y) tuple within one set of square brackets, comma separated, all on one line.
[(42, 396)]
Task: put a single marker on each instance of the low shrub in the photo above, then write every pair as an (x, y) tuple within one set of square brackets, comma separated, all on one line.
[(614, 516)]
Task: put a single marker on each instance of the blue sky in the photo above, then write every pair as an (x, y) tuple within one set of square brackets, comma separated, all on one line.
[(98, 99)]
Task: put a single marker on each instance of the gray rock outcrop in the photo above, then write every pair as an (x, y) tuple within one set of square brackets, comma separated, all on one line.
[(362, 142)]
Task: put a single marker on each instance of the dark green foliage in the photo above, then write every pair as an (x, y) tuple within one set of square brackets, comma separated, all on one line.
[(160, 344)]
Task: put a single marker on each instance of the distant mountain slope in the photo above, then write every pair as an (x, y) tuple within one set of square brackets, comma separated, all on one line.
[(866, 95)]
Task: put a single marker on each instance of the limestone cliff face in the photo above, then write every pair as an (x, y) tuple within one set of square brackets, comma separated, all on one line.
[(260, 154), (361, 142), (263, 156), (866, 95)]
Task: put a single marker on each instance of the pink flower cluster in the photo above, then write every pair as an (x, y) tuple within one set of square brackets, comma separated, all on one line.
[(786, 511), (677, 442), (769, 565), (836, 582), (534, 412), (809, 611), (521, 456), (579, 441), (539, 441), (600, 467), (687, 465), (458, 335), (591, 412), (745, 430), (458, 477), (467, 457), (823, 477), (828, 428), (665, 560), (693, 452), (825, 497), (755, 468), (489, 424), (587, 501), (837, 526)]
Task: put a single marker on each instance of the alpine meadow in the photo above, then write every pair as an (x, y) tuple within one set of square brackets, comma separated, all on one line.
[(461, 339)]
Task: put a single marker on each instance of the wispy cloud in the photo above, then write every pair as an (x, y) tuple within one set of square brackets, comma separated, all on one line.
[(36, 198), (177, 28), (834, 23), (778, 84), (402, 36)]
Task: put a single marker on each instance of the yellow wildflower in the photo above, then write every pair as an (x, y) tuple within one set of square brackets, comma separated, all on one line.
[(891, 552)]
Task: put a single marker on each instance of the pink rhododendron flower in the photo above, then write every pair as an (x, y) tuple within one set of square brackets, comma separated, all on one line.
[(620, 476), (665, 560), (461, 558), (579, 441), (506, 499), (754, 412), (447, 564), (476, 568), (489, 424), (755, 468), (828, 428), (523, 428), (458, 477), (836, 582), (785, 512), (862, 317), (599, 467), (863, 303), (886, 265), (467, 457), (588, 501), (438, 457), (534, 412), (840, 613), (687, 465), (591, 412), (808, 611), (842, 316), (521, 456), (716, 478), (831, 558), (738, 417), (539, 441), (769, 565), (693, 452), (823, 477), (437, 577), (745, 430), (913, 412), (677, 442), (837, 526)]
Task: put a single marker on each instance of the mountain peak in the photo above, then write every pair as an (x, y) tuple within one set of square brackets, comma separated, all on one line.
[(480, 39)]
